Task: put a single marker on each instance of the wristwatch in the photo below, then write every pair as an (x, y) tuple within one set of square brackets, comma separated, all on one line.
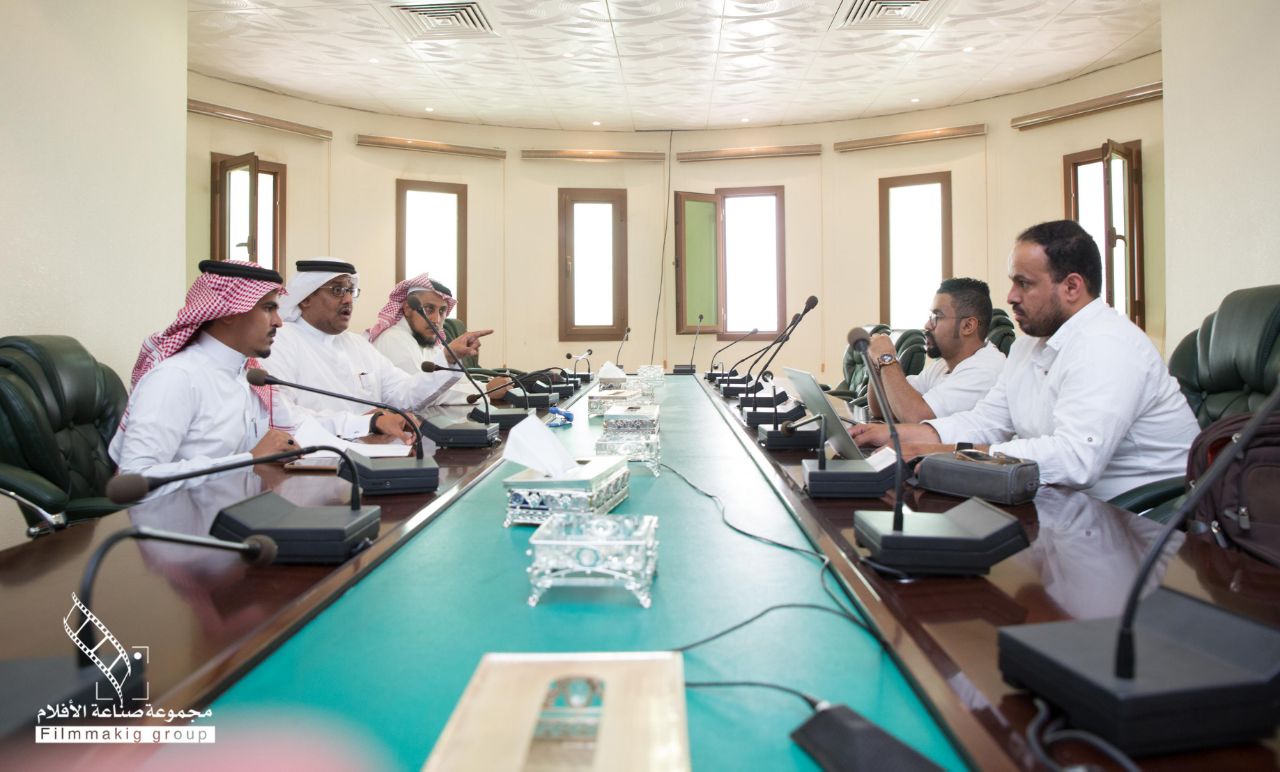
[(373, 422), (884, 360), (964, 446)]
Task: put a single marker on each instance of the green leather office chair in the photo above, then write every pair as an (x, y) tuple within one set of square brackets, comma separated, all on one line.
[(1225, 368), (1001, 333), (453, 327), (854, 384), (59, 408), (911, 351)]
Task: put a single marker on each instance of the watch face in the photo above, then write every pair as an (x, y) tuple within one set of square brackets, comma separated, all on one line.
[(886, 358)]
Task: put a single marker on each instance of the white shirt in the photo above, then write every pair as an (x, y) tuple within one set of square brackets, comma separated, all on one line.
[(347, 363), (1093, 405), (398, 344), (194, 410), (955, 391)]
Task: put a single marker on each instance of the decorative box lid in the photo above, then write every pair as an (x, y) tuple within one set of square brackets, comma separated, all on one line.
[(589, 474), (595, 529), (632, 414)]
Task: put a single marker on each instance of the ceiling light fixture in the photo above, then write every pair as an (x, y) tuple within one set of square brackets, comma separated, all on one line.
[(915, 99), (595, 123), (746, 120), (430, 109), (373, 61), (968, 49), (567, 54)]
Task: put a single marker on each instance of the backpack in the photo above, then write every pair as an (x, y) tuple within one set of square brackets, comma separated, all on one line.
[(1242, 508)]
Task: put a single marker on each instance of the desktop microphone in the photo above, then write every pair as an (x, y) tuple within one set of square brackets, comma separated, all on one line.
[(1209, 677), (416, 305), (256, 376), (432, 367), (690, 368), (617, 359), (809, 305), (712, 372), (860, 341)]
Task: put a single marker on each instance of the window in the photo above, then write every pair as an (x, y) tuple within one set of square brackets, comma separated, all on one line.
[(915, 245), (730, 261), (431, 234), (593, 264), (247, 196), (1103, 192)]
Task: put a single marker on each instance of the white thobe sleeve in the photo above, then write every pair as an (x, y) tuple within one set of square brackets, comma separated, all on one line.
[(988, 422)]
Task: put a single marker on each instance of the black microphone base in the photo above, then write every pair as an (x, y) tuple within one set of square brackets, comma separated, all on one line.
[(527, 400), (766, 399), (1203, 676), (739, 390), (454, 433), (966, 540), (715, 376), (684, 370), (393, 475), (499, 417), (578, 379), (27, 685), (846, 479), (774, 415), (557, 390), (771, 437), (311, 535)]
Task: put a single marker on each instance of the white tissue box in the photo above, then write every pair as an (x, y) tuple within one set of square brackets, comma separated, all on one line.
[(598, 402), (632, 418), (595, 551), (596, 485)]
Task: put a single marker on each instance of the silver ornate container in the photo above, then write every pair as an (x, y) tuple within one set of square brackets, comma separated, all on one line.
[(632, 418), (596, 485), (592, 550), (599, 402), (612, 383), (634, 446)]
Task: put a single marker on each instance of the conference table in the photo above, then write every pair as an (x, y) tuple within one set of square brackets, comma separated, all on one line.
[(369, 658)]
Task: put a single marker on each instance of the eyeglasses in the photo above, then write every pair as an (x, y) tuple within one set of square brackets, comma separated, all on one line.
[(937, 316), (338, 290)]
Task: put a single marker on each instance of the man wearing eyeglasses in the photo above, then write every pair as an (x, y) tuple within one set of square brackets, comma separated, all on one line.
[(315, 348), (965, 366)]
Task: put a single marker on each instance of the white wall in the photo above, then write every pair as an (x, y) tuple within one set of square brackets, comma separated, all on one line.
[(92, 133), (1001, 183), (1221, 108)]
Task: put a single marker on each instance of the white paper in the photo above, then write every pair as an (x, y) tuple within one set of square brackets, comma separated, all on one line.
[(610, 370), (312, 433), (882, 459), (531, 444)]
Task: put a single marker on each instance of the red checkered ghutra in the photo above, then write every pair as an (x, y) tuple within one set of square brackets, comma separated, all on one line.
[(393, 311)]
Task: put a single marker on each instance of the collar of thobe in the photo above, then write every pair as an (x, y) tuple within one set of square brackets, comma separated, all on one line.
[(317, 335), (223, 356)]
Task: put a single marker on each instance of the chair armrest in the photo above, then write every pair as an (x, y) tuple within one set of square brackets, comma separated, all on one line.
[(840, 394), (1152, 494), (33, 488)]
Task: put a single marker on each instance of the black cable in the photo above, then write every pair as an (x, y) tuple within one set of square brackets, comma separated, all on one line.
[(1033, 737), (744, 623), (1041, 742), (824, 561), (810, 700)]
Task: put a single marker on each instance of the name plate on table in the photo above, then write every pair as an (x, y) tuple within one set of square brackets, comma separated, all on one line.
[(621, 711), (599, 402), (632, 418), (596, 485), (618, 551)]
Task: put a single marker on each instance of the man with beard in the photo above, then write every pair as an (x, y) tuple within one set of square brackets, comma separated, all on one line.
[(404, 337), (965, 366), (1084, 394), (191, 407), (315, 348)]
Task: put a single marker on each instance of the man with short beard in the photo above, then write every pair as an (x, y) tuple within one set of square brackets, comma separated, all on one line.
[(1084, 394), (315, 348), (965, 366)]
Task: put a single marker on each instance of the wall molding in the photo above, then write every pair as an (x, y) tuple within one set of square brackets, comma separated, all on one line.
[(428, 146), (1133, 96), (733, 153), (255, 119), (592, 155), (911, 137)]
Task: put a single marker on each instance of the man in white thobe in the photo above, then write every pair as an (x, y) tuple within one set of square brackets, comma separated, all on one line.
[(1084, 394)]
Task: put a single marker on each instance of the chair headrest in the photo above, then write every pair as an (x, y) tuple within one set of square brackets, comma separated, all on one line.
[(61, 372), (1238, 344)]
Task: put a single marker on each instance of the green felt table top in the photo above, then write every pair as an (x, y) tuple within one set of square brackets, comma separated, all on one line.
[(390, 658)]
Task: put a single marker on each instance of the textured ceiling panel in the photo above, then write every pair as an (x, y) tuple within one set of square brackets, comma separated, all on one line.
[(660, 64)]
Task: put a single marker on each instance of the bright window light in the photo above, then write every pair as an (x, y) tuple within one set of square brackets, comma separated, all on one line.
[(915, 252), (592, 253), (431, 236), (751, 263)]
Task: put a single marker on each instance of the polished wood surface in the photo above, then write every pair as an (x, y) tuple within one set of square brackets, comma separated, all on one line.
[(1084, 554)]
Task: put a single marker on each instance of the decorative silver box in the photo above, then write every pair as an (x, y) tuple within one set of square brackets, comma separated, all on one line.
[(596, 485), (598, 402), (634, 446), (612, 383), (632, 418), (590, 550), (650, 377)]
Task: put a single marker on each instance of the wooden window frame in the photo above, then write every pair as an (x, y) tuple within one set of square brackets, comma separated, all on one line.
[(217, 249), (682, 326), (887, 184), (723, 300), (1137, 301), (567, 197), (460, 190)]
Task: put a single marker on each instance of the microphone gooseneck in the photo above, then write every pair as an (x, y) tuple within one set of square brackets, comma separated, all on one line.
[(809, 305), (617, 359), (416, 305), (731, 343), (860, 342), (696, 333), (432, 367)]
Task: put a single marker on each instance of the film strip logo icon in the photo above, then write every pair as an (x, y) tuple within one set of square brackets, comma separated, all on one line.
[(106, 639)]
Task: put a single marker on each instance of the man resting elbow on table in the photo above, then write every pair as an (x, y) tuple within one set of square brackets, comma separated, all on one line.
[(1084, 393)]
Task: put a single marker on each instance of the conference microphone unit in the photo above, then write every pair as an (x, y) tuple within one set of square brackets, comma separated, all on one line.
[(617, 359), (549, 380), (432, 367), (476, 432), (740, 385), (29, 685), (1185, 674), (776, 397), (691, 368), (714, 376), (411, 474), (966, 540), (575, 376)]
